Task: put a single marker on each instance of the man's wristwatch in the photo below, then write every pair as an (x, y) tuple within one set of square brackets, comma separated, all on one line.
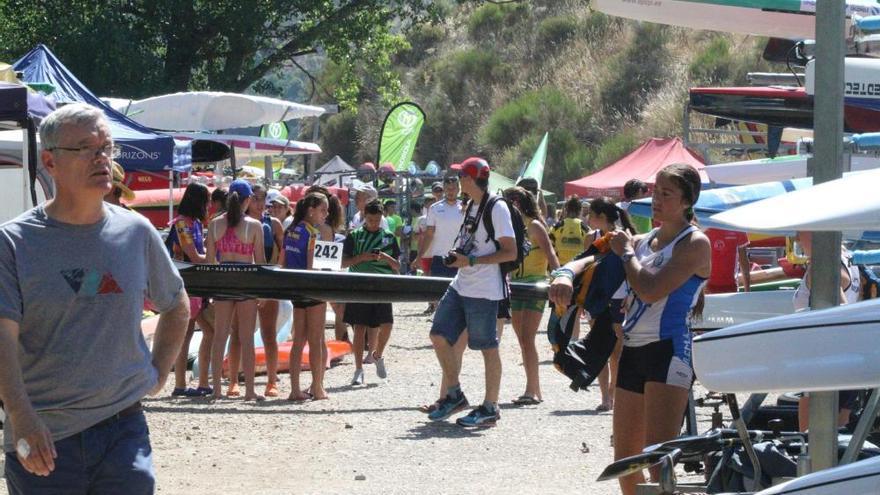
[(627, 256), (472, 260)]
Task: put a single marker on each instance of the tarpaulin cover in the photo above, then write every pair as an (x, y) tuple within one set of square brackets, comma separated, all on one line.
[(142, 149), (17, 103), (643, 163)]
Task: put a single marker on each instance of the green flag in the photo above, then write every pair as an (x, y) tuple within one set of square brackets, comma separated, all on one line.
[(275, 130), (535, 168), (400, 131)]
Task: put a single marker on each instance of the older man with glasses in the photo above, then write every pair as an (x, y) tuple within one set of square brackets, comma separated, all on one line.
[(74, 273)]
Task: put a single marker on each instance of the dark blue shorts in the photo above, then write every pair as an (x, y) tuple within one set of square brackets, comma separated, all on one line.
[(438, 269)]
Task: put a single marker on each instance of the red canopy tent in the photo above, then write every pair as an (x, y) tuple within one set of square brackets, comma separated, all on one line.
[(643, 163)]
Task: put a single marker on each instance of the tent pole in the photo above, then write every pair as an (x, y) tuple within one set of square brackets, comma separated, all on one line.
[(170, 196)]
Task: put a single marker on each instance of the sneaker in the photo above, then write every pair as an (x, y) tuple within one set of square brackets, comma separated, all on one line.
[(448, 407), (381, 372), (358, 377), (480, 417)]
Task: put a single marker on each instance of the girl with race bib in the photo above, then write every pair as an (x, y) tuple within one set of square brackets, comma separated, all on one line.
[(308, 315)]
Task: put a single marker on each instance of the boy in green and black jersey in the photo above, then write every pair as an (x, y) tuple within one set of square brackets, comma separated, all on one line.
[(370, 249)]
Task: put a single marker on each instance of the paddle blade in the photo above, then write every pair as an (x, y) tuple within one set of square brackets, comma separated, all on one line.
[(630, 465)]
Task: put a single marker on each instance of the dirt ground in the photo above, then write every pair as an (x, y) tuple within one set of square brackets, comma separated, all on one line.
[(372, 439)]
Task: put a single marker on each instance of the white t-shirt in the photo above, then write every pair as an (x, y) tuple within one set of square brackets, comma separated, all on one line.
[(357, 221), (484, 281), (446, 220)]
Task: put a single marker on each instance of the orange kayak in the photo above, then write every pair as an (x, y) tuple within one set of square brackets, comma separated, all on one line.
[(336, 349)]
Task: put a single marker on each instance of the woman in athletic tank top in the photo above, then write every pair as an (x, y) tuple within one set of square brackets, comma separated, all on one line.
[(850, 281), (526, 313), (308, 316), (234, 238), (666, 270), (605, 216), (334, 225)]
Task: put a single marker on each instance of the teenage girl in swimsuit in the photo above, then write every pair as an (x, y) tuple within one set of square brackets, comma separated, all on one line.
[(235, 238), (334, 225), (308, 316)]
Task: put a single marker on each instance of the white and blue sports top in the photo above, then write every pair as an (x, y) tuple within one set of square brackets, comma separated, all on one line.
[(666, 319), (801, 296)]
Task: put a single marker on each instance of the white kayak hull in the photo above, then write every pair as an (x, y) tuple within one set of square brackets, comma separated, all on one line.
[(735, 308), (775, 169), (727, 16), (858, 478), (832, 349), (855, 209)]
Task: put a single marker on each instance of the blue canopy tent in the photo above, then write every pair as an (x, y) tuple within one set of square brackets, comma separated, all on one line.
[(23, 109), (142, 148)]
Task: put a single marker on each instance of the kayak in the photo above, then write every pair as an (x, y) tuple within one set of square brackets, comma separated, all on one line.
[(773, 18), (775, 169), (821, 350), (336, 349), (272, 282)]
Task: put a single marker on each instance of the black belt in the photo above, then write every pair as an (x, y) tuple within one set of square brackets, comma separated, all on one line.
[(128, 411)]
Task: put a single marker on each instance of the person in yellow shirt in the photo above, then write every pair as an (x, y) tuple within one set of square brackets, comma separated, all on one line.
[(571, 236), (526, 313)]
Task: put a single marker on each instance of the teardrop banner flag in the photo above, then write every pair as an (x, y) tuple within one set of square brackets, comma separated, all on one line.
[(400, 132), (535, 168)]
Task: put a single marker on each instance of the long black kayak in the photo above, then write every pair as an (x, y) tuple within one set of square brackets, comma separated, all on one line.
[(271, 282)]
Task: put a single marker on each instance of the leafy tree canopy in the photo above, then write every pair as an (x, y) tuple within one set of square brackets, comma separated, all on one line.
[(139, 48)]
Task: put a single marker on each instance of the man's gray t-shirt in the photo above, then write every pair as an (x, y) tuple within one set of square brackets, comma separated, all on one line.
[(77, 293)]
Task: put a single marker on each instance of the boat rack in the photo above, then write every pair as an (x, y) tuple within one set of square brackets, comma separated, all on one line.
[(705, 140)]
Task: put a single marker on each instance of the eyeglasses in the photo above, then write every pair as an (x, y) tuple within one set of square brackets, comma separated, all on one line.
[(109, 150)]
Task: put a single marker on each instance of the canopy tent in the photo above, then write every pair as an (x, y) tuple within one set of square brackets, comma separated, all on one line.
[(333, 173), (142, 148), (210, 111), (643, 164)]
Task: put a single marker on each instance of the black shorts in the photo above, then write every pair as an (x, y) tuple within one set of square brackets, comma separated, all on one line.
[(368, 314), (305, 303), (616, 309), (654, 362)]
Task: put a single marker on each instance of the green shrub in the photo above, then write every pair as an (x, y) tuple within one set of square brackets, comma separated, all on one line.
[(713, 64), (535, 111), (615, 148), (469, 66), (596, 25), (554, 31), (422, 39), (637, 71), (492, 18)]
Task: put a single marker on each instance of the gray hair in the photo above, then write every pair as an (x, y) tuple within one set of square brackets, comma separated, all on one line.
[(77, 114)]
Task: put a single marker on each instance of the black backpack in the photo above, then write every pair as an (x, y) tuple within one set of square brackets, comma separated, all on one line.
[(520, 230)]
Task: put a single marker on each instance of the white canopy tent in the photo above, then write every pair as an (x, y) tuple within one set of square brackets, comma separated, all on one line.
[(333, 173)]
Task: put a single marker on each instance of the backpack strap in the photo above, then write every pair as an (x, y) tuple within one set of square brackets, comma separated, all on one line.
[(487, 218)]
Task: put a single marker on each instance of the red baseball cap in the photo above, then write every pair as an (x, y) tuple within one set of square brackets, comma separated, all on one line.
[(475, 168)]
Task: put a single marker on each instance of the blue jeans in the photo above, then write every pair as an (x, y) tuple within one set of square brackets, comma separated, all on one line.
[(107, 459), (455, 312)]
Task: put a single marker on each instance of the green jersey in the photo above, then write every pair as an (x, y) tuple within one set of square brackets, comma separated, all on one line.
[(361, 241)]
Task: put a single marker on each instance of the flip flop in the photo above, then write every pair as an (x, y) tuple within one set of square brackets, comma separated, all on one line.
[(307, 395), (603, 408), (525, 400)]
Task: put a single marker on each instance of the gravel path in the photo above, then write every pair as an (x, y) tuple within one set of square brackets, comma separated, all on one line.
[(371, 438)]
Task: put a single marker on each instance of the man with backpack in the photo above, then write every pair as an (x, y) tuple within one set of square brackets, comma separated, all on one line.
[(473, 296)]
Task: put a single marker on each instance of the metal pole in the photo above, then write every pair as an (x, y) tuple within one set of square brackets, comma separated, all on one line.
[(828, 165)]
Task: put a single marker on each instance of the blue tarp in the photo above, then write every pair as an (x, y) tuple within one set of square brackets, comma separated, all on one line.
[(142, 148), (17, 103)]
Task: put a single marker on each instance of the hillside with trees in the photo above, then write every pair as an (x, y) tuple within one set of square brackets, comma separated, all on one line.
[(493, 77)]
